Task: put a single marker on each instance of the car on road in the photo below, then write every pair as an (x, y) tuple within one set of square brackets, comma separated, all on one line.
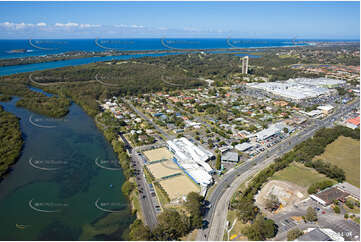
[(205, 224)]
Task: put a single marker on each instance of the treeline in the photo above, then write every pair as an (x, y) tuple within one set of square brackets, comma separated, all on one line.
[(55, 107), (319, 186), (310, 148), (11, 141), (131, 77), (172, 225), (17, 85), (327, 169)]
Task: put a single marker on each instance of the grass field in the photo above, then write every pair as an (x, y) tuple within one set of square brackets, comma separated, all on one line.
[(179, 186), (300, 175), (345, 153), (158, 154)]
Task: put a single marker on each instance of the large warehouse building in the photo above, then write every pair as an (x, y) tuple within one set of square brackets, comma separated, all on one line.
[(298, 89), (192, 159)]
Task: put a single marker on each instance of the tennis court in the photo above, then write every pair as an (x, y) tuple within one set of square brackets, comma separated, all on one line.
[(179, 186), (163, 169), (158, 154)]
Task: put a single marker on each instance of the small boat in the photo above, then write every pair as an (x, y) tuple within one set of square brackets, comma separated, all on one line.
[(21, 226), (111, 185)]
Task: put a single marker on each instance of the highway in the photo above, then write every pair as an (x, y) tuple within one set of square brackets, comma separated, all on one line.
[(216, 226)]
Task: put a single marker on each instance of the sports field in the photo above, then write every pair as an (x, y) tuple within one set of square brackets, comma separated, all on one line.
[(158, 154), (179, 186), (344, 152), (164, 168), (300, 175)]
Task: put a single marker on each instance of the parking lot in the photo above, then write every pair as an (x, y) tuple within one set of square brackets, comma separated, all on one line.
[(286, 225)]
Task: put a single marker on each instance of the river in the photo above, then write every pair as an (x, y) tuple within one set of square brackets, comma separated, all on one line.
[(60, 188)]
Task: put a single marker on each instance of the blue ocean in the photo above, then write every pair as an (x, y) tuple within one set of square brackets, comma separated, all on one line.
[(22, 48), (43, 47)]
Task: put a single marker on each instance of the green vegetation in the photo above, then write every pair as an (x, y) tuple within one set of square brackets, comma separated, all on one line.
[(303, 152), (5, 98), (171, 226), (345, 153), (11, 141), (336, 209), (319, 186), (17, 85), (261, 229), (162, 194), (193, 205), (218, 162), (311, 214), (298, 174), (328, 169), (50, 106), (294, 234), (128, 187), (137, 231)]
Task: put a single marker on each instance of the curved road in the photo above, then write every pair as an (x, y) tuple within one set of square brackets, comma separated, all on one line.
[(215, 231)]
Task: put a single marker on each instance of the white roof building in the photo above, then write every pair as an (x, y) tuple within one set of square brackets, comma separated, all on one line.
[(192, 159), (243, 147), (298, 89), (325, 108)]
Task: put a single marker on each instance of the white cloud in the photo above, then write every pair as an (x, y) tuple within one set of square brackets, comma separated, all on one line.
[(70, 24), (15, 25), (89, 25), (134, 26), (42, 24)]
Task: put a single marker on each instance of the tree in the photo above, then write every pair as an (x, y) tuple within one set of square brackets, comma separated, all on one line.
[(218, 162), (285, 130), (294, 234), (137, 231), (336, 209), (261, 229), (350, 204), (193, 205), (272, 203), (127, 187), (246, 210), (171, 225), (311, 214)]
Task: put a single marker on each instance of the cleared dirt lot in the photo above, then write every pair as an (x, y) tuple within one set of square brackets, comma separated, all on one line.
[(287, 193), (158, 154), (164, 168), (179, 186)]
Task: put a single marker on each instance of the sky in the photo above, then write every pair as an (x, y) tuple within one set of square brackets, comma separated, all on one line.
[(300, 20)]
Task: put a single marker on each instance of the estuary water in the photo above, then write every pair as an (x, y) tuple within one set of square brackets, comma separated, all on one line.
[(66, 184)]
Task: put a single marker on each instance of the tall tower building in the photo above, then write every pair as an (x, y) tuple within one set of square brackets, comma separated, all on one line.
[(245, 65)]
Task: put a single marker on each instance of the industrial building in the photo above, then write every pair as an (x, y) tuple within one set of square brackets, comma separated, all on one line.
[(327, 196), (192, 159), (299, 89), (272, 130), (230, 157)]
